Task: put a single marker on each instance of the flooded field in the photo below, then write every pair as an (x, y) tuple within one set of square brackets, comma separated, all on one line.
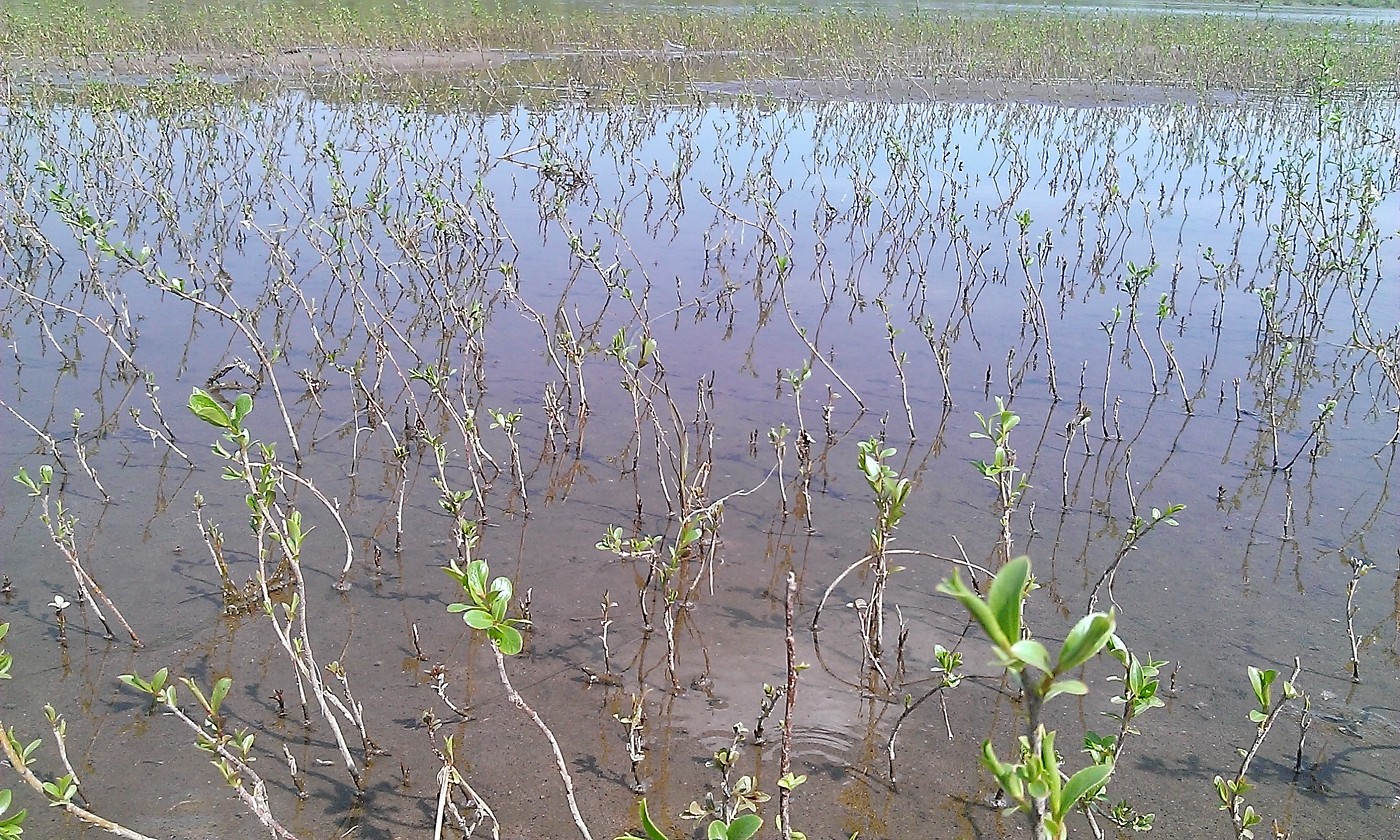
[(728, 374)]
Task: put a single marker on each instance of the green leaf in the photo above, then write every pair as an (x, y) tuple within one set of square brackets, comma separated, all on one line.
[(477, 571), (135, 682), (208, 410), (1033, 653), (507, 638), (717, 830), (221, 687), (744, 827), (1005, 774), (198, 695), (1086, 639), (242, 407), (1261, 682), (976, 607), (652, 832), (479, 619), (501, 587), (1083, 783), (1074, 687), (455, 572), (1004, 598)]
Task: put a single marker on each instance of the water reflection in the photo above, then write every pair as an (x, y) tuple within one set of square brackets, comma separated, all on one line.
[(1166, 295)]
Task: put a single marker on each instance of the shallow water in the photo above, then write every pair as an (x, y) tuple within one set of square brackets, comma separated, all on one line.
[(367, 240)]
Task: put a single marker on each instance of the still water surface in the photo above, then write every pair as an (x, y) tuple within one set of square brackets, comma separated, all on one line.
[(367, 241)]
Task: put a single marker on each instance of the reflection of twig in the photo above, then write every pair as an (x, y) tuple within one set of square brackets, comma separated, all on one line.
[(47, 438), (899, 722), (158, 435), (812, 348), (81, 452), (817, 613), (1304, 722), (333, 508)]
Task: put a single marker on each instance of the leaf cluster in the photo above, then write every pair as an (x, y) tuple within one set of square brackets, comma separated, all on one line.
[(489, 602), (1035, 783), (741, 827), (890, 490)]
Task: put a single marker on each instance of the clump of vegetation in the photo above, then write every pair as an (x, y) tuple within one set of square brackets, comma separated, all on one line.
[(1206, 51)]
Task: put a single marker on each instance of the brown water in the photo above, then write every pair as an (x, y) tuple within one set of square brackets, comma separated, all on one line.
[(365, 239)]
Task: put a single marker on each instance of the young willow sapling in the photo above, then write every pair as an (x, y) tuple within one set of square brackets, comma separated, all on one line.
[(487, 612), (1035, 784)]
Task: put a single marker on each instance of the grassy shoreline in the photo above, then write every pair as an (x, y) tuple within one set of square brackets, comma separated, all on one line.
[(1206, 52)]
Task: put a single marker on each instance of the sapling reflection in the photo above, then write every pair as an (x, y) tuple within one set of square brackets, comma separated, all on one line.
[(626, 548), (89, 228), (1325, 410), (1138, 528), (1165, 311), (890, 491), (796, 379), (81, 452), (899, 358), (947, 669), (1134, 284), (483, 466), (507, 421), (634, 722), (777, 438)]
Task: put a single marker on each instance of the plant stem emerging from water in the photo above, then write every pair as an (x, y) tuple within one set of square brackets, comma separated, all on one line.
[(559, 762), (22, 770), (785, 754)]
